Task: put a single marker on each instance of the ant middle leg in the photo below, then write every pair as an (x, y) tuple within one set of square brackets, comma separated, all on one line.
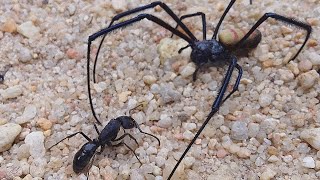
[(70, 136)]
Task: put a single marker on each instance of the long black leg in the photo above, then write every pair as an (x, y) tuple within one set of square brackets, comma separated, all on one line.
[(138, 9), (215, 107), (121, 25), (124, 135), (204, 23), (221, 19), (280, 18), (70, 136), (236, 85), (138, 127), (152, 5), (119, 144)]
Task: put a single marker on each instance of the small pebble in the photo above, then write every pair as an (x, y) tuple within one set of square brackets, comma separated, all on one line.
[(8, 133), (28, 30), (308, 79), (268, 174), (28, 114), (265, 100), (239, 131), (188, 70), (314, 57), (305, 65), (273, 159), (123, 97), (188, 135), (165, 121), (35, 140), (149, 79), (9, 26), (308, 162), (312, 136), (11, 92), (44, 124)]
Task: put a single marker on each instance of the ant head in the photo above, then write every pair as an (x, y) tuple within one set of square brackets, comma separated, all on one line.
[(83, 159), (127, 122), (206, 51)]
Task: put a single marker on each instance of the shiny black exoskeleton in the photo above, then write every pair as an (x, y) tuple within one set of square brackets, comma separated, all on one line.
[(84, 157), (204, 52)]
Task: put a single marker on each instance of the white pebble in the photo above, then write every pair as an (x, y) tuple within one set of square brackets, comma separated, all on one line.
[(239, 131), (29, 113), (35, 140), (188, 70), (165, 121), (312, 136), (265, 100), (11, 92), (8, 133), (189, 126), (188, 161), (308, 162), (28, 30), (100, 87), (24, 54), (188, 135), (314, 58)]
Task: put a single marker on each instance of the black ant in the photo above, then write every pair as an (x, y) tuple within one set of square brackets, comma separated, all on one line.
[(83, 159), (204, 52)]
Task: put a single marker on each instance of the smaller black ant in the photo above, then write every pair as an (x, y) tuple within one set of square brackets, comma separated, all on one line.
[(83, 159)]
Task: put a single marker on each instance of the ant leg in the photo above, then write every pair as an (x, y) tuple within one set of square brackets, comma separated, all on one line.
[(124, 135), (138, 127), (236, 85), (96, 128), (215, 107), (221, 19), (70, 136), (204, 23), (119, 144), (194, 75), (290, 21)]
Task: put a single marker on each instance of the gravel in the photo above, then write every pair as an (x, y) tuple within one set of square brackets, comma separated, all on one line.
[(269, 129)]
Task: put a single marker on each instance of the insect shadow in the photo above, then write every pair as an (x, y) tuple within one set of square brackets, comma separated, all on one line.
[(205, 52)]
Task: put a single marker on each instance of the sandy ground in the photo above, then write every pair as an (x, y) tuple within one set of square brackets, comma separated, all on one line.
[(269, 129)]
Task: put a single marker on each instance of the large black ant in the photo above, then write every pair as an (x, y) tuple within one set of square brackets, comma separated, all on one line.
[(83, 159), (204, 52)]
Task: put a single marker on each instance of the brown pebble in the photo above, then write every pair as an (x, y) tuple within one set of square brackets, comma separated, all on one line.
[(72, 54), (9, 26), (312, 43), (44, 124), (272, 150), (267, 63)]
